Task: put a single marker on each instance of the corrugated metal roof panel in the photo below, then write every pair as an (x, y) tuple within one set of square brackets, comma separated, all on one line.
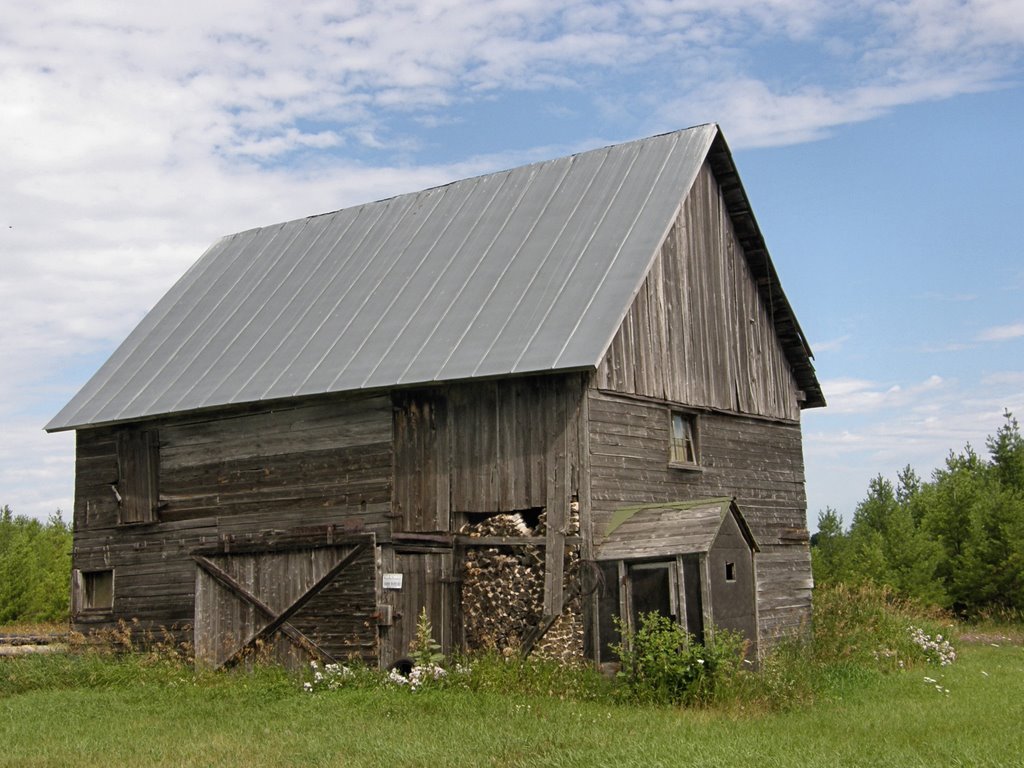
[(530, 269)]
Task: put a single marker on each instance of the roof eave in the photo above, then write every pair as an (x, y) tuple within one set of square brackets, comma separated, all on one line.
[(791, 336)]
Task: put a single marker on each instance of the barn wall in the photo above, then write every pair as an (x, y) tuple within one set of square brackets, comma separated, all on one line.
[(482, 448), (758, 461), (309, 464), (237, 474), (489, 446), (697, 332)]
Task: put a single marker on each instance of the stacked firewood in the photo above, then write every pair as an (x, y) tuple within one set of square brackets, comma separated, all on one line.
[(563, 642), (503, 592), (502, 587)]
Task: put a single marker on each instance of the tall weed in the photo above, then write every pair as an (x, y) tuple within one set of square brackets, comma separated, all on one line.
[(869, 626), (533, 677)]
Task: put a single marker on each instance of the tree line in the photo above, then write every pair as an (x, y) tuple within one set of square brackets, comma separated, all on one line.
[(956, 541), (35, 568)]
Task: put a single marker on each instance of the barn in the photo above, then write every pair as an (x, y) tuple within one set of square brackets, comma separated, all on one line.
[(528, 402)]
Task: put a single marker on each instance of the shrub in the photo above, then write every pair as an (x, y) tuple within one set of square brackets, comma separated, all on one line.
[(663, 663)]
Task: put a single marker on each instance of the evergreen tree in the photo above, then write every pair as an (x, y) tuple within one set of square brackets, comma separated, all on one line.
[(957, 540), (829, 556), (35, 568), (1007, 450)]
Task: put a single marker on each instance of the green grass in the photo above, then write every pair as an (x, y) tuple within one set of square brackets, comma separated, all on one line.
[(89, 710)]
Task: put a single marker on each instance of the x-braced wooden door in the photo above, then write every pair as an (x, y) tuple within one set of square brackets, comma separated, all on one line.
[(294, 602)]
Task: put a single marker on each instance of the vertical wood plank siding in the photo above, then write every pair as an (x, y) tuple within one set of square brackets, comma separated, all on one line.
[(421, 480), (427, 583), (698, 332), (137, 460), (490, 446), (228, 474), (505, 445), (338, 619)]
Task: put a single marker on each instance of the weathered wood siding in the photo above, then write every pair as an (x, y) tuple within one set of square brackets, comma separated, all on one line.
[(486, 447), (325, 462), (338, 619), (427, 582), (489, 446), (759, 461), (307, 464), (733, 602), (697, 332)]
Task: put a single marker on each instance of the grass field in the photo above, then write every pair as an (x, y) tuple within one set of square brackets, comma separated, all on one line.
[(83, 711)]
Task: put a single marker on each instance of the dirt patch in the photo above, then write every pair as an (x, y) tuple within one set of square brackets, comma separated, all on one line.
[(1011, 637)]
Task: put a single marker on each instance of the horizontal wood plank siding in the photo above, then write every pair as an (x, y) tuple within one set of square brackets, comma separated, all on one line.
[(303, 464), (698, 332), (311, 464), (758, 461)]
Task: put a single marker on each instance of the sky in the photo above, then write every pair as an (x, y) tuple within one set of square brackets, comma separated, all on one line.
[(879, 142)]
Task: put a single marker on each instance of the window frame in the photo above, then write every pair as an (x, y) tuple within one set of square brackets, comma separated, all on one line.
[(689, 442), (85, 591)]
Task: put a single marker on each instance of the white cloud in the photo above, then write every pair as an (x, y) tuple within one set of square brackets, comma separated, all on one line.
[(851, 395), (1004, 378), (883, 430), (1002, 332), (830, 345), (133, 135), (37, 470)]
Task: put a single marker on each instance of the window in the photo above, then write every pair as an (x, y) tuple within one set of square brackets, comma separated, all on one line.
[(136, 489), (684, 440), (730, 571), (95, 590)]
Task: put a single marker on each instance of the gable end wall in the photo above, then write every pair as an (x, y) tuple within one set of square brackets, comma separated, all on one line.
[(698, 337), (697, 332)]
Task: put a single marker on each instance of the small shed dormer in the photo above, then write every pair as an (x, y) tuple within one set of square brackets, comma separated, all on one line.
[(693, 561)]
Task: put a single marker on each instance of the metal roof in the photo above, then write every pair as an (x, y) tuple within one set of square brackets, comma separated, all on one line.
[(526, 270)]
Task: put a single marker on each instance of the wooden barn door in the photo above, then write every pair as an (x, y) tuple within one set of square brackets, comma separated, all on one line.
[(427, 582), (295, 603)]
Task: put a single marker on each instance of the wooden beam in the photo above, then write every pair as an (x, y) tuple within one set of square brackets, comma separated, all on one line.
[(312, 592), (509, 541), (572, 590)]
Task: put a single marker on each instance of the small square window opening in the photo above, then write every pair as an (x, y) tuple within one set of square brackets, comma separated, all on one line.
[(684, 445), (97, 590)]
